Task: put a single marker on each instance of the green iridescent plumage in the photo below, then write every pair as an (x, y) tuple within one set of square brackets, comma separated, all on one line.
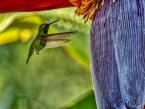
[(45, 40)]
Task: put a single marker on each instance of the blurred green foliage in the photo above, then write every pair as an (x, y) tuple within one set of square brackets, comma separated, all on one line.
[(58, 78)]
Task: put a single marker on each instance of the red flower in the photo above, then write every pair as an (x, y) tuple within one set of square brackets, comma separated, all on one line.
[(31, 5)]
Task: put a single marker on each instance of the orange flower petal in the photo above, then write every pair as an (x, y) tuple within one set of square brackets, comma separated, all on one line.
[(76, 2)]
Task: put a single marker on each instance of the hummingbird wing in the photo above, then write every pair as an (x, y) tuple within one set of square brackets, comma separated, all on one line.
[(58, 39), (31, 51)]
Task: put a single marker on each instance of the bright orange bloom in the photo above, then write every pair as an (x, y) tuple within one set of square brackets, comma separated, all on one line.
[(76, 2)]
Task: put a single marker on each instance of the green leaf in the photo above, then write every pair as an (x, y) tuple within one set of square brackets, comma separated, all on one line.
[(7, 92), (84, 101), (50, 80)]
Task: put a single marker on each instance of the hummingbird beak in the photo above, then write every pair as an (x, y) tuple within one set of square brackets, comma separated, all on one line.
[(52, 22)]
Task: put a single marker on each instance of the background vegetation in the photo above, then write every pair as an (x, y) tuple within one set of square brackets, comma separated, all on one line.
[(58, 78)]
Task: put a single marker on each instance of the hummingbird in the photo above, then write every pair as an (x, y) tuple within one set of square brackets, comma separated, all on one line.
[(45, 40)]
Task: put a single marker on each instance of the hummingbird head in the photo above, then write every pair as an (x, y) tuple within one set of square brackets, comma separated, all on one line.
[(43, 29)]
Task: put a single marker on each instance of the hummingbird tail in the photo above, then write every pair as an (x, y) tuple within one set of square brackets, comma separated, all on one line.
[(31, 51), (27, 61)]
